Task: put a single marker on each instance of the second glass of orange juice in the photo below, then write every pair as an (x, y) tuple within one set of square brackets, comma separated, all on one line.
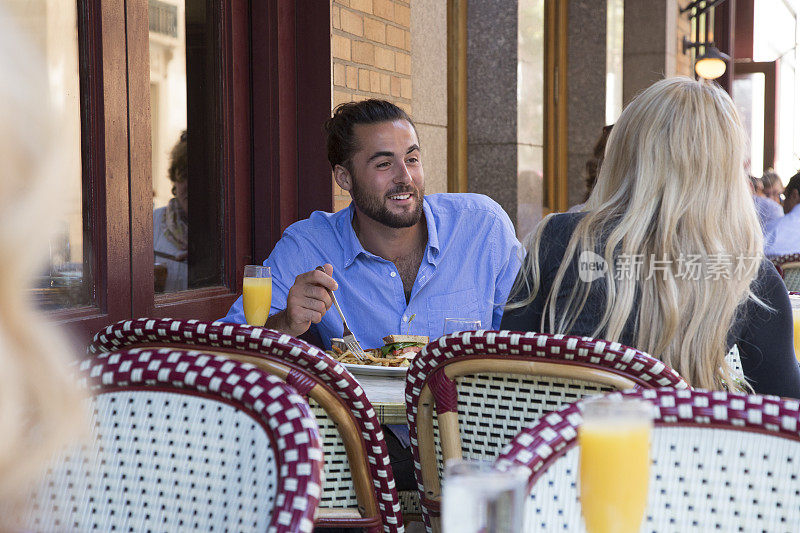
[(795, 300), (614, 442), (257, 294)]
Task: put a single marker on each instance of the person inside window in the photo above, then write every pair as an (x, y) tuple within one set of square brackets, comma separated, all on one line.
[(171, 226)]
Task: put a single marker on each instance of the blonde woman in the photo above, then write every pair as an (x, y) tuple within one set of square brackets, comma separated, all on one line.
[(39, 404), (668, 257)]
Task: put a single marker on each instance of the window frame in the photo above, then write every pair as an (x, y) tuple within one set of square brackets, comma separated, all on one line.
[(233, 85), (104, 165), (276, 91)]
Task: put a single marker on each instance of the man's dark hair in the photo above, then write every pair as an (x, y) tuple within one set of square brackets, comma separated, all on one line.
[(339, 128), (794, 184)]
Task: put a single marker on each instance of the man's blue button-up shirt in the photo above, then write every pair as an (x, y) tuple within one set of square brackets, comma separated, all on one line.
[(470, 262)]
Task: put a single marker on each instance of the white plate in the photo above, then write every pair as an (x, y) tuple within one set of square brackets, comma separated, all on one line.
[(374, 370)]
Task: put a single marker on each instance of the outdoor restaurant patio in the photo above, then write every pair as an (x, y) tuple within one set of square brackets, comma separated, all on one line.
[(235, 301)]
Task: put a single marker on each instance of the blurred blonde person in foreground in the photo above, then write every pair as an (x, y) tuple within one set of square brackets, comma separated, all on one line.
[(40, 407), (672, 220)]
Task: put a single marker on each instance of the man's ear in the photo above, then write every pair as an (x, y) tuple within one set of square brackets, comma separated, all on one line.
[(342, 177)]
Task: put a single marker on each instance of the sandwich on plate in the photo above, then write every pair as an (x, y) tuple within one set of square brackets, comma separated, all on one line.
[(402, 346)]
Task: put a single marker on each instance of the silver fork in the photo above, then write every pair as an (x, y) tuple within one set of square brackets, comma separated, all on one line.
[(347, 336)]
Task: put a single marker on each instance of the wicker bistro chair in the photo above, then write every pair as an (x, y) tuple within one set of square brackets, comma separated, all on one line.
[(789, 268), (185, 442), (359, 489), (468, 394), (719, 462)]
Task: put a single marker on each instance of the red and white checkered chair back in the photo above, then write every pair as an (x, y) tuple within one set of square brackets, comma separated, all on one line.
[(185, 442), (468, 394), (789, 268), (719, 462), (371, 500)]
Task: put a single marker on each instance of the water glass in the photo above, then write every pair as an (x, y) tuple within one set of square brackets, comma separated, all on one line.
[(477, 498), (455, 325), (614, 442)]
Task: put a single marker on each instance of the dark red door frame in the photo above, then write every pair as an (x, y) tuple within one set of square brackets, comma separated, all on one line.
[(104, 111), (744, 27), (725, 39), (291, 100), (232, 39), (315, 183), (276, 87)]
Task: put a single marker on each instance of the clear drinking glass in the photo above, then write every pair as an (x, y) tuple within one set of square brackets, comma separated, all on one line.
[(614, 444), (454, 325), (478, 498), (795, 301), (257, 294)]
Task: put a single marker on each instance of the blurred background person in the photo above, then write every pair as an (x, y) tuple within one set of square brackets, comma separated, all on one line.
[(657, 200), (782, 236), (756, 186), (171, 226), (593, 166), (767, 210), (40, 406), (773, 186)]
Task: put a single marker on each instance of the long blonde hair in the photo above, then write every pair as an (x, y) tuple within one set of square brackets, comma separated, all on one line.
[(672, 188), (40, 407)]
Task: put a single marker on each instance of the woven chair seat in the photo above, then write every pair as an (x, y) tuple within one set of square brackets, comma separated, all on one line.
[(719, 462), (734, 360), (184, 442), (352, 439), (789, 268), (469, 394)]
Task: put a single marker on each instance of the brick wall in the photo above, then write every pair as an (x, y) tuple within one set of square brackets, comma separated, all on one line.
[(370, 56)]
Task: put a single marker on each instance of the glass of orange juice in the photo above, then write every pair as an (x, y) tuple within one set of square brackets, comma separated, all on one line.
[(795, 300), (614, 442), (257, 294)]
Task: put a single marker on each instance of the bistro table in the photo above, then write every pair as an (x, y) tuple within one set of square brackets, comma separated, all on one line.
[(386, 393)]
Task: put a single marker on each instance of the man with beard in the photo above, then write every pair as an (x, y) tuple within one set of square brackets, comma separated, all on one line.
[(399, 261)]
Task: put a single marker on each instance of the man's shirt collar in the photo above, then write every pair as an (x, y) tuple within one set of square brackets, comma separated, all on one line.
[(352, 247), (432, 249)]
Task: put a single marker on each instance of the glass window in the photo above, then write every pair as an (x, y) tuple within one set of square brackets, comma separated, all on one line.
[(184, 105), (614, 33), (773, 30), (530, 114), (748, 95), (66, 280)]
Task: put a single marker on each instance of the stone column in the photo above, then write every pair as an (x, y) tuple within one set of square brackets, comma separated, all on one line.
[(505, 105), (654, 30), (586, 92), (492, 101)]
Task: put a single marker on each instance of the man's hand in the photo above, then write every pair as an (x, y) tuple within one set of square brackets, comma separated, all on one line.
[(308, 300)]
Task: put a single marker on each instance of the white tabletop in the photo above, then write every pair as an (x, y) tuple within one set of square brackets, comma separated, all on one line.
[(383, 389)]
